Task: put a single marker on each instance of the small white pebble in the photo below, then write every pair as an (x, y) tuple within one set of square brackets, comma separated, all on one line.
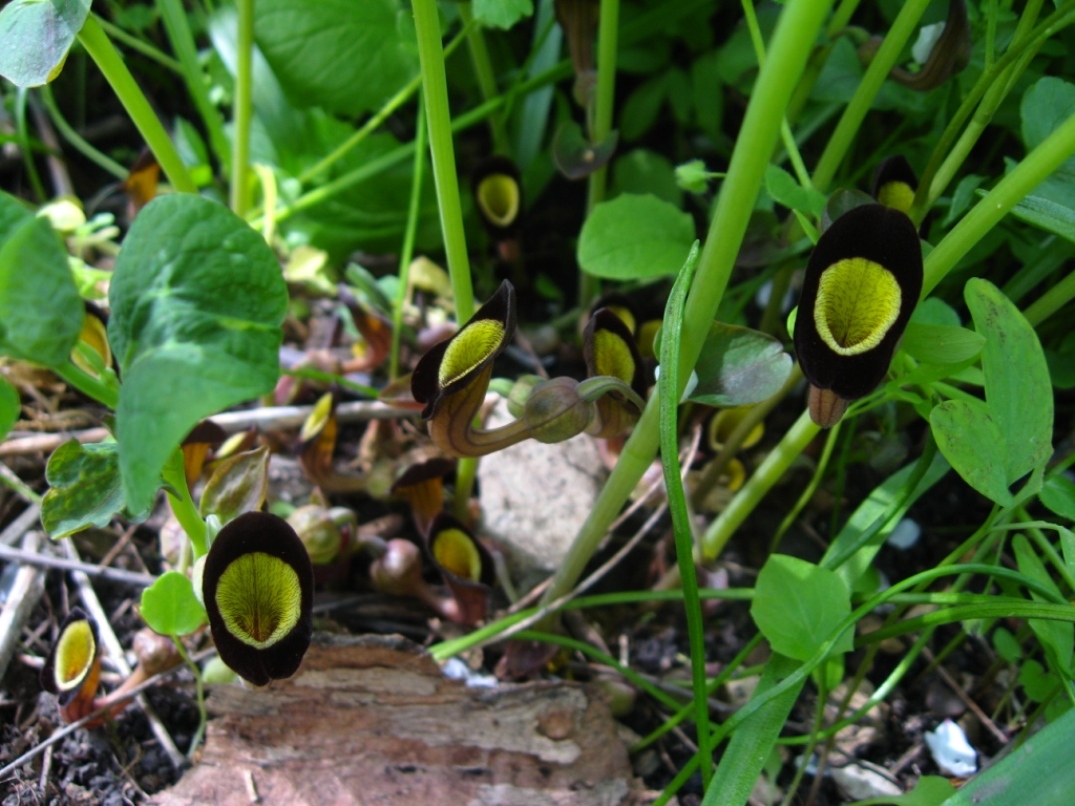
[(951, 750), (905, 534)]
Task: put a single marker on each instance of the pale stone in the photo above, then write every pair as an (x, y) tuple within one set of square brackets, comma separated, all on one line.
[(535, 497)]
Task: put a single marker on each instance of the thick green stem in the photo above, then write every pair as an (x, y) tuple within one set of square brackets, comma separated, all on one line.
[(904, 26), (177, 27), (108, 60), (789, 49), (1049, 155), (183, 506), (104, 393), (244, 110), (439, 118), (601, 122)]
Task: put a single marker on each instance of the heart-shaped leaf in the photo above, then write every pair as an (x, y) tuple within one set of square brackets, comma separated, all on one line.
[(170, 607), (633, 237), (197, 302), (35, 36), (739, 367), (797, 606)]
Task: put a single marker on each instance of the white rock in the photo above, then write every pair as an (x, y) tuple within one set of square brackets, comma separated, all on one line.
[(535, 497)]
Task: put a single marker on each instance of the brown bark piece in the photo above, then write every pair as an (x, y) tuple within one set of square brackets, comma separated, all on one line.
[(371, 720)]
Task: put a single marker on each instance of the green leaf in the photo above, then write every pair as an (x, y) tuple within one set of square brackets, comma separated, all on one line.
[(939, 344), (1058, 495), (502, 13), (798, 605), (971, 442), (170, 607), (1057, 637), (786, 190), (344, 56), (962, 198), (1046, 105), (1007, 645), (1061, 363), (739, 367), (642, 106), (1018, 389), (1047, 215), (644, 171), (1038, 684), (85, 488), (40, 310), (890, 500), (10, 407), (634, 237), (35, 36), (930, 790), (935, 311), (197, 301)]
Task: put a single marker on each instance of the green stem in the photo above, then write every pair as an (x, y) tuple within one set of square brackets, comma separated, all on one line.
[(199, 687), (183, 506), (1051, 301), (438, 115), (1049, 155), (406, 253), (841, 17), (179, 34), (108, 60), (483, 70), (811, 488), (9, 479), (1062, 17), (983, 114), (104, 393), (790, 147), (789, 49), (601, 123), (80, 143), (903, 28), (136, 44), (243, 114)]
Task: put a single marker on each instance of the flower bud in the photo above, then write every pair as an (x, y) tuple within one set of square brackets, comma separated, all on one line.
[(554, 412)]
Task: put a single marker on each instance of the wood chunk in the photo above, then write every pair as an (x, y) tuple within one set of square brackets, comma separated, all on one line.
[(371, 720)]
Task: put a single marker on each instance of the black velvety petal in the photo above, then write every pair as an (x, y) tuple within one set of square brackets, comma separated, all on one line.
[(884, 236)]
